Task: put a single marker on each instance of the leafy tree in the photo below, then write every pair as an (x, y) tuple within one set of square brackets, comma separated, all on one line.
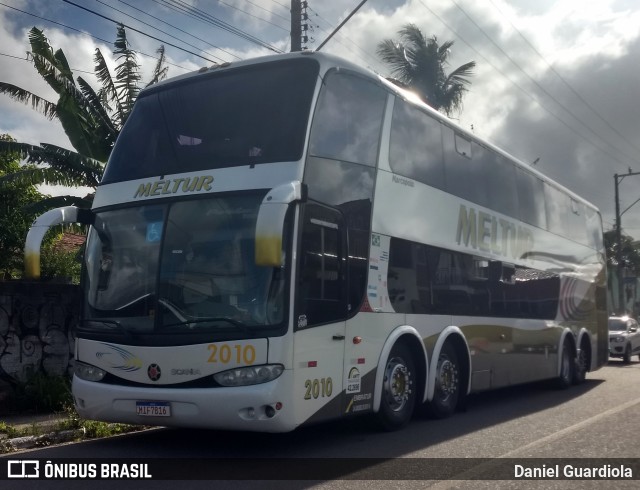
[(14, 220), (630, 251), (59, 261), (92, 120), (418, 63)]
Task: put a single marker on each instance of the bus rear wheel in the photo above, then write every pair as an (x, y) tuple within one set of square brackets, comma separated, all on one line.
[(398, 390), (567, 367), (447, 387), (581, 367)]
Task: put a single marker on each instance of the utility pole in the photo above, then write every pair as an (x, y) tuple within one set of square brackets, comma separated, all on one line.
[(296, 26), (621, 300)]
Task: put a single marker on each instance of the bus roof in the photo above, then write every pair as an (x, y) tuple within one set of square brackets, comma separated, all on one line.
[(329, 61)]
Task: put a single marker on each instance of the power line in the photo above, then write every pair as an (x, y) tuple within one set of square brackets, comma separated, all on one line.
[(181, 30), (525, 92), (86, 34), (137, 30), (568, 111), (342, 36), (157, 29), (565, 82), (281, 4), (353, 12), (254, 16), (180, 6), (29, 61), (267, 10)]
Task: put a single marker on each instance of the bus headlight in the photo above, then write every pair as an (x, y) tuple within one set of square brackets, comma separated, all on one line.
[(251, 375), (88, 372)]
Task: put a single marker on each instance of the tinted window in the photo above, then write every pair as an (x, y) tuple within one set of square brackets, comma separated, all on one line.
[(500, 179), (251, 115), (464, 175), (415, 148), (353, 197), (558, 207), (530, 199), (426, 279), (577, 221), (348, 118), (322, 278), (594, 228)]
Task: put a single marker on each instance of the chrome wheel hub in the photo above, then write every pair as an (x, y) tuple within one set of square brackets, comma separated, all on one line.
[(397, 384), (446, 377)]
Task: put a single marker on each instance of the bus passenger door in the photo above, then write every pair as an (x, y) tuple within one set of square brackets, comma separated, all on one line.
[(320, 313)]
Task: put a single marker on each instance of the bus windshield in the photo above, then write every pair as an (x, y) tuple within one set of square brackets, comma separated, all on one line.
[(250, 115), (181, 267)]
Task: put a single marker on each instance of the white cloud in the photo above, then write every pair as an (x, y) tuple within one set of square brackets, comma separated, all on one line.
[(593, 45)]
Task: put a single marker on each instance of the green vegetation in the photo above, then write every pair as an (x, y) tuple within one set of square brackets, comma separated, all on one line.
[(15, 218), (42, 394), (52, 394), (418, 63), (91, 120)]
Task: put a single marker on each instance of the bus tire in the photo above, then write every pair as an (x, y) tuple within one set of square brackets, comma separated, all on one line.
[(581, 367), (398, 389), (567, 368), (447, 384), (627, 355)]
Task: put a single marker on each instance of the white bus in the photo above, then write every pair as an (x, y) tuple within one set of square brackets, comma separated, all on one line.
[(292, 239)]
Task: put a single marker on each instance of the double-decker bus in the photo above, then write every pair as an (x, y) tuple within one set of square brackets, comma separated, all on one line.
[(281, 241)]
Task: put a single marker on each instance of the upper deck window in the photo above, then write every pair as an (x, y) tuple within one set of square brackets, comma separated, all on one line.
[(250, 115), (348, 119)]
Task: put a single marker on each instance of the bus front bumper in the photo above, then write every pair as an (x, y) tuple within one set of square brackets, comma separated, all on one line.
[(264, 407)]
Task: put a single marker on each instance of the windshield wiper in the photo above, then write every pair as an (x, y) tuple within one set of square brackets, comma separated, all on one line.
[(235, 323), (104, 321)]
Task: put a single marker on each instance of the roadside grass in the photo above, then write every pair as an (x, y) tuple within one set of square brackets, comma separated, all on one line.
[(93, 429), (43, 394)]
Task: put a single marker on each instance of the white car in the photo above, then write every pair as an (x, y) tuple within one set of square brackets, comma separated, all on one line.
[(624, 338)]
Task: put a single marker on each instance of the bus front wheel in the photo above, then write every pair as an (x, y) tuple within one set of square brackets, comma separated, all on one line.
[(398, 389), (447, 384)]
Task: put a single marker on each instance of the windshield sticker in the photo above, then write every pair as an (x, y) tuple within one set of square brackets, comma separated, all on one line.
[(154, 231)]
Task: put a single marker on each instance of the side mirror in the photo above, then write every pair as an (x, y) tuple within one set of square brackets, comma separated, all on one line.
[(39, 228), (270, 223)]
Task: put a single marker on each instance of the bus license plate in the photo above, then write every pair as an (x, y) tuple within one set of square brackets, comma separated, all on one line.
[(153, 409)]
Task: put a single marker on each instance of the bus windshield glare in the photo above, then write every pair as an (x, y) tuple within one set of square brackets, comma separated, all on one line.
[(247, 116), (180, 267)]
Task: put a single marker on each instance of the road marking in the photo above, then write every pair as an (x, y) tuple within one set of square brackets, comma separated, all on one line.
[(465, 475)]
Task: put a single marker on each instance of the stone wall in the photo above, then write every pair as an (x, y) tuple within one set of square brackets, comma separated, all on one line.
[(37, 324)]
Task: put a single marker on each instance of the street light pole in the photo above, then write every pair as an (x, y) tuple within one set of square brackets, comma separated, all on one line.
[(618, 178)]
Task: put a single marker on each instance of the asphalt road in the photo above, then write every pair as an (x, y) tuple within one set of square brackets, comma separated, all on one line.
[(599, 419)]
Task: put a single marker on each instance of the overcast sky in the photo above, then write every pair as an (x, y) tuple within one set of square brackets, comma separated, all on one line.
[(556, 83)]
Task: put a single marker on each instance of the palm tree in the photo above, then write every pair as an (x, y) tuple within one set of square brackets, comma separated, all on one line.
[(92, 121), (419, 63)]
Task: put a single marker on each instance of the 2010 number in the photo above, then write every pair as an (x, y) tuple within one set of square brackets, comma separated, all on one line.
[(317, 388), (225, 353)]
